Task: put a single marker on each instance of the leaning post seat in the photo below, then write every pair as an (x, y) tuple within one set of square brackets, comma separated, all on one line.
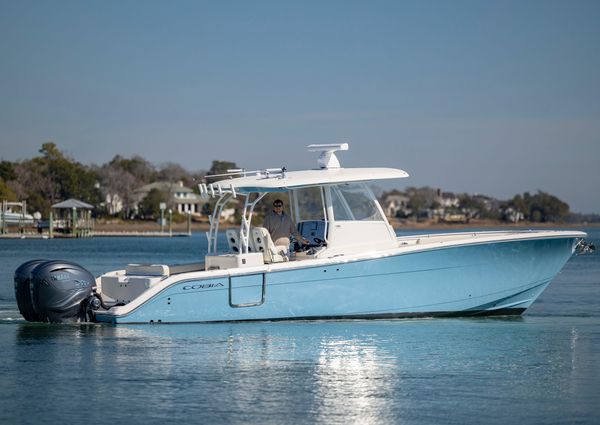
[(235, 243), (263, 243), (233, 240)]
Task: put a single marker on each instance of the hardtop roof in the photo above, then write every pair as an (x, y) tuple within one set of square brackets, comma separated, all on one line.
[(305, 178)]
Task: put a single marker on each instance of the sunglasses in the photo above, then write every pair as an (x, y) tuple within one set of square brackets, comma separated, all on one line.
[(278, 205)]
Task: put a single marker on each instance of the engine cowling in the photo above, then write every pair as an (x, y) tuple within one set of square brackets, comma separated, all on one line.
[(60, 291), (24, 290)]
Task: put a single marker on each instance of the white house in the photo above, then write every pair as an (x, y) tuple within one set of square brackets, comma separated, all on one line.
[(182, 198), (392, 204), (447, 199), (113, 203)]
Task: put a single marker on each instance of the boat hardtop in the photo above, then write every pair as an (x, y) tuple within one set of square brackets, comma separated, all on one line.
[(277, 180)]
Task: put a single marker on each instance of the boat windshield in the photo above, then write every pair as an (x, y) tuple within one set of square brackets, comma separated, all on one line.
[(309, 204), (352, 202)]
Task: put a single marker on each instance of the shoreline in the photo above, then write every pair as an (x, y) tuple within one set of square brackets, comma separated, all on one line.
[(151, 229), (492, 224)]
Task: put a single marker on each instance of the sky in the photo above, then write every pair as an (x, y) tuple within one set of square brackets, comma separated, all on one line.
[(491, 97)]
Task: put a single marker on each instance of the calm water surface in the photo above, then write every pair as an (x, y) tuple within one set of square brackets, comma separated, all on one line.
[(542, 367)]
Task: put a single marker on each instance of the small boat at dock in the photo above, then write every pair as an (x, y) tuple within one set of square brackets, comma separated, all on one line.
[(15, 218)]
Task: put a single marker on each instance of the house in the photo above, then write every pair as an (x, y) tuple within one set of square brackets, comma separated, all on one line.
[(447, 199), (228, 215), (113, 203), (513, 215), (395, 204), (181, 199)]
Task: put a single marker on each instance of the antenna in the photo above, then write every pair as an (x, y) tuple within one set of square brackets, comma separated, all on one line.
[(327, 158)]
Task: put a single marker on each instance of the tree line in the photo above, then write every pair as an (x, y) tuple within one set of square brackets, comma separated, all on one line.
[(52, 177), (540, 207)]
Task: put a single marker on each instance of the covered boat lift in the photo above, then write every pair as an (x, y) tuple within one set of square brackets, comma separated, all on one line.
[(73, 218), (9, 217)]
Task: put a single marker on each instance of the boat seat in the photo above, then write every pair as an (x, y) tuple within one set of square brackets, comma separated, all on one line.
[(233, 240), (147, 270), (123, 287), (186, 268), (235, 243), (162, 270), (263, 243)]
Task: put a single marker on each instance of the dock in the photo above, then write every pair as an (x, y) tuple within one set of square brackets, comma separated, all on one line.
[(147, 234), (97, 234)]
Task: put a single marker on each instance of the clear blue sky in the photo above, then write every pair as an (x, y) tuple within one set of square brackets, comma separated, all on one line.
[(494, 97)]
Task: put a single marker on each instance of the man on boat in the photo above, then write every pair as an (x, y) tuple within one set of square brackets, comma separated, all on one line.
[(280, 226)]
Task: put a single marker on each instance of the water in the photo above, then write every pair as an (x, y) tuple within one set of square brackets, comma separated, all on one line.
[(538, 368)]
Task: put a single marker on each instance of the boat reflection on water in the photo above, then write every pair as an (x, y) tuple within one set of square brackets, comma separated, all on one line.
[(322, 372), (358, 370), (288, 366)]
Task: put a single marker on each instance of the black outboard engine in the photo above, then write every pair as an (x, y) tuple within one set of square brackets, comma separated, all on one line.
[(23, 290), (54, 291)]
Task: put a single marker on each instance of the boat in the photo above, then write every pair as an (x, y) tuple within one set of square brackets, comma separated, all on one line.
[(14, 218), (354, 266)]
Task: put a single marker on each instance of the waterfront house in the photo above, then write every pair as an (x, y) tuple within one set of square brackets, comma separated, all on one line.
[(396, 204), (180, 198), (112, 203), (447, 199)]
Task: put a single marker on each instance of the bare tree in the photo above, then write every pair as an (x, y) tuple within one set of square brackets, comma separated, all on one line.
[(118, 186), (172, 172)]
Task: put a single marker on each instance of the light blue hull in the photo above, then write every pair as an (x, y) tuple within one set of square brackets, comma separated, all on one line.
[(492, 278)]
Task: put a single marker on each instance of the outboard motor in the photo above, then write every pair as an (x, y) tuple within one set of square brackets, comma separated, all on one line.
[(54, 291), (24, 288)]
